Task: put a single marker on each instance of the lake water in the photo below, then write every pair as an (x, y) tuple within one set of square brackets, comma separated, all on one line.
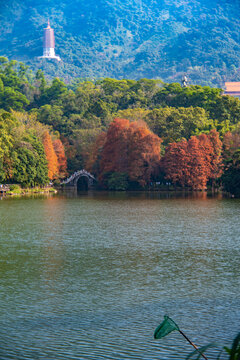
[(91, 276)]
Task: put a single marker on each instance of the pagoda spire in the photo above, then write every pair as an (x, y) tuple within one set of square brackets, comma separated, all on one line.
[(49, 43)]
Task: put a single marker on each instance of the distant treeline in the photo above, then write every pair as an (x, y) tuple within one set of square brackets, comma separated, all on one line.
[(162, 133)]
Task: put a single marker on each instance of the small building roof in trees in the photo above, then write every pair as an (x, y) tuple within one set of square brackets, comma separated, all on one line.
[(232, 88)]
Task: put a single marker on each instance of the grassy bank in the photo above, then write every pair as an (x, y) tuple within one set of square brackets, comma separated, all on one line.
[(18, 190)]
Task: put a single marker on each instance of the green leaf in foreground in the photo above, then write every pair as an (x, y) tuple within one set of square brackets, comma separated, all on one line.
[(235, 350), (167, 326)]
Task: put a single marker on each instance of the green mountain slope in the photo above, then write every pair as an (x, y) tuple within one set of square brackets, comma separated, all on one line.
[(127, 39)]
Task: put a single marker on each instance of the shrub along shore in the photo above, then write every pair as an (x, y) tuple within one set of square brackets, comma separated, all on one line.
[(15, 189)]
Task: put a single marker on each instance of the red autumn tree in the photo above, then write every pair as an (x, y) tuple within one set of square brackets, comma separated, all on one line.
[(195, 162), (130, 148), (62, 161), (175, 163), (198, 165), (50, 156), (115, 150)]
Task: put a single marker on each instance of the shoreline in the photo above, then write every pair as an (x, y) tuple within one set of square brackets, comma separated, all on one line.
[(171, 192)]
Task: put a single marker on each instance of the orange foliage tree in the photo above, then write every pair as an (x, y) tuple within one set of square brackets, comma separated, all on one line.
[(50, 156), (131, 148), (62, 161), (143, 153), (193, 163), (199, 165)]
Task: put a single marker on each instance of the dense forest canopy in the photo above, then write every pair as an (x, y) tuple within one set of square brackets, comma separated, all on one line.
[(128, 133), (127, 39)]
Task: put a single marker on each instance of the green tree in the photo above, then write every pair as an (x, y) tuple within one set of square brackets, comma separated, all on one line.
[(117, 181), (231, 180), (7, 123), (12, 99), (173, 124), (54, 93)]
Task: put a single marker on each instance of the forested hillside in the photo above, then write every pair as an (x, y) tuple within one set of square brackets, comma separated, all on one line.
[(127, 39)]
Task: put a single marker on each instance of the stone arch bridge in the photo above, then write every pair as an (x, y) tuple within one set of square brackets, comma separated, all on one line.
[(73, 180)]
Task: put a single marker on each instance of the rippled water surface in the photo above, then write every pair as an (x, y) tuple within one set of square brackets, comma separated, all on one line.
[(91, 276)]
